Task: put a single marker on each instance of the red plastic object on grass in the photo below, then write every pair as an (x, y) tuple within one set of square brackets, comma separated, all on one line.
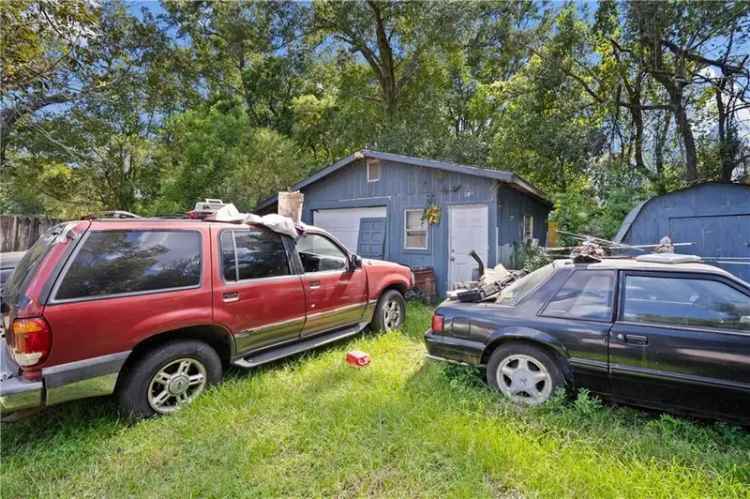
[(357, 358)]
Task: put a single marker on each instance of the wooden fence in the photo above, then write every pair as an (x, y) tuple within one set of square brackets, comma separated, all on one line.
[(19, 232)]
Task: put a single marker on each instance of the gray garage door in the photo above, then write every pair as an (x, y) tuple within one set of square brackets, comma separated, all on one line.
[(716, 236)]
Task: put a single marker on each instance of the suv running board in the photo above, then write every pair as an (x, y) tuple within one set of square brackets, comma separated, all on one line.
[(266, 356)]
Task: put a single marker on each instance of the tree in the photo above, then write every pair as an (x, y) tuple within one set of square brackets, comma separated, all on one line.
[(46, 57), (251, 49)]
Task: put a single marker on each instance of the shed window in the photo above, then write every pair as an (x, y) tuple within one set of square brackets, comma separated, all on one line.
[(528, 228), (373, 170), (415, 230)]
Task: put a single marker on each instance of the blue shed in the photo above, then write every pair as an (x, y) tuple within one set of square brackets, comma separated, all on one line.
[(714, 217), (375, 203)]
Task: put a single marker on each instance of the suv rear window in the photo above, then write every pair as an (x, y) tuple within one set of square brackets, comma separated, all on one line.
[(26, 268), (130, 261)]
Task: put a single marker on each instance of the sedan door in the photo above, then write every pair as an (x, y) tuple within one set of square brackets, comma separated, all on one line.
[(579, 315), (336, 291), (256, 293), (682, 340)]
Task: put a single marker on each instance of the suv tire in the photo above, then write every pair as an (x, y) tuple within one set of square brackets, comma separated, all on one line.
[(167, 378), (523, 373), (390, 312)]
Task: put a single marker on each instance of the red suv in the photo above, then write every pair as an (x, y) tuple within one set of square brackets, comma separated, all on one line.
[(154, 310)]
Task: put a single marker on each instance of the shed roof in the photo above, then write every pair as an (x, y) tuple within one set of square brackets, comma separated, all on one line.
[(509, 178), (631, 217)]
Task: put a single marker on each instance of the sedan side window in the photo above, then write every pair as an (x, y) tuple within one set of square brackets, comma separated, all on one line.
[(685, 302), (319, 254), (587, 294)]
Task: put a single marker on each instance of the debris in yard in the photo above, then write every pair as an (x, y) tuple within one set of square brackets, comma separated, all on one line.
[(490, 283), (665, 245), (357, 358), (588, 252)]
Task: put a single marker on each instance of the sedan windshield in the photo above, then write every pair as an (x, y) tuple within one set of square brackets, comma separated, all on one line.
[(520, 288)]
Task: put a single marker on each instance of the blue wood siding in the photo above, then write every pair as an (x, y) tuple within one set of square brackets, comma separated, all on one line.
[(512, 205), (716, 217), (403, 186)]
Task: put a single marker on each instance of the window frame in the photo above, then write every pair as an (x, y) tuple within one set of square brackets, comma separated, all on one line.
[(292, 267), (347, 255), (523, 229), (371, 179), (704, 276), (613, 304), (64, 272), (426, 246)]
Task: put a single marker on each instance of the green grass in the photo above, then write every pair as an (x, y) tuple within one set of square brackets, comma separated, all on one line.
[(401, 427)]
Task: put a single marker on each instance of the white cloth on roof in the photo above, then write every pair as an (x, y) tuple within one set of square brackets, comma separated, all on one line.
[(276, 223)]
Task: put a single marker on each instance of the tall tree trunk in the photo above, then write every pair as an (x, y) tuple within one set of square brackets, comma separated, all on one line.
[(387, 69)]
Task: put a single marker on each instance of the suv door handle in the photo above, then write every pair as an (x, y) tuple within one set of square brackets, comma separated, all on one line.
[(314, 284), (633, 339), (231, 296)]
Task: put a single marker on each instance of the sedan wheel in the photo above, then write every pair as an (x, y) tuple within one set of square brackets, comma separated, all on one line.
[(176, 385), (524, 379), (526, 374)]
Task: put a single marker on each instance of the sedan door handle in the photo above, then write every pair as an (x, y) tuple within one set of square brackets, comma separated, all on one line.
[(231, 296), (633, 339), (314, 284)]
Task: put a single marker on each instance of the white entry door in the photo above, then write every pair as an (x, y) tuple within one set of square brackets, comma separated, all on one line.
[(467, 227), (344, 222)]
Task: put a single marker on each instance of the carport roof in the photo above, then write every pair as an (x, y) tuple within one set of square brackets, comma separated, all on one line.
[(509, 178)]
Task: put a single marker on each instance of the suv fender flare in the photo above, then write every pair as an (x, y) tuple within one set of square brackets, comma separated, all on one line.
[(390, 281), (532, 336), (215, 335)]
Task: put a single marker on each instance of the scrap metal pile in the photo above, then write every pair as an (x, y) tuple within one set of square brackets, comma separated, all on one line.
[(491, 282)]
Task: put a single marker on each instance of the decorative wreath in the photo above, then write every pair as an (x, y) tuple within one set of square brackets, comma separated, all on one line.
[(431, 214)]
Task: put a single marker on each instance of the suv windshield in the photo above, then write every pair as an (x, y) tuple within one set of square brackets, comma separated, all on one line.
[(519, 289)]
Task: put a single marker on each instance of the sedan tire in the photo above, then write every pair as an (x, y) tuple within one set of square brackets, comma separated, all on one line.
[(523, 373)]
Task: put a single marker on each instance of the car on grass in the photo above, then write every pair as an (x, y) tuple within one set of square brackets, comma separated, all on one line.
[(154, 310), (658, 331)]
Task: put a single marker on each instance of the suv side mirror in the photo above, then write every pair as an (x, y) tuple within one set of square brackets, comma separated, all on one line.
[(355, 262)]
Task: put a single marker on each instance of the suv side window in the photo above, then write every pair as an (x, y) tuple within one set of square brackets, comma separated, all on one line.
[(320, 254), (252, 254), (116, 262), (587, 294), (678, 301)]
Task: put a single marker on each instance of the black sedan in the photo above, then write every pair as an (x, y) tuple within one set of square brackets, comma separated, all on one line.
[(649, 331)]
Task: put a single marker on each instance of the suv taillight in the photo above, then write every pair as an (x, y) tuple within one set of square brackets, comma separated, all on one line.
[(31, 341), (438, 323)]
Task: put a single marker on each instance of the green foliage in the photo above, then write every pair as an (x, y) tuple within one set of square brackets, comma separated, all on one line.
[(106, 110), (580, 210), (215, 152), (528, 257)]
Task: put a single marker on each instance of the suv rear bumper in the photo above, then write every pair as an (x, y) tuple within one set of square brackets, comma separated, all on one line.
[(16, 393), (74, 380)]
